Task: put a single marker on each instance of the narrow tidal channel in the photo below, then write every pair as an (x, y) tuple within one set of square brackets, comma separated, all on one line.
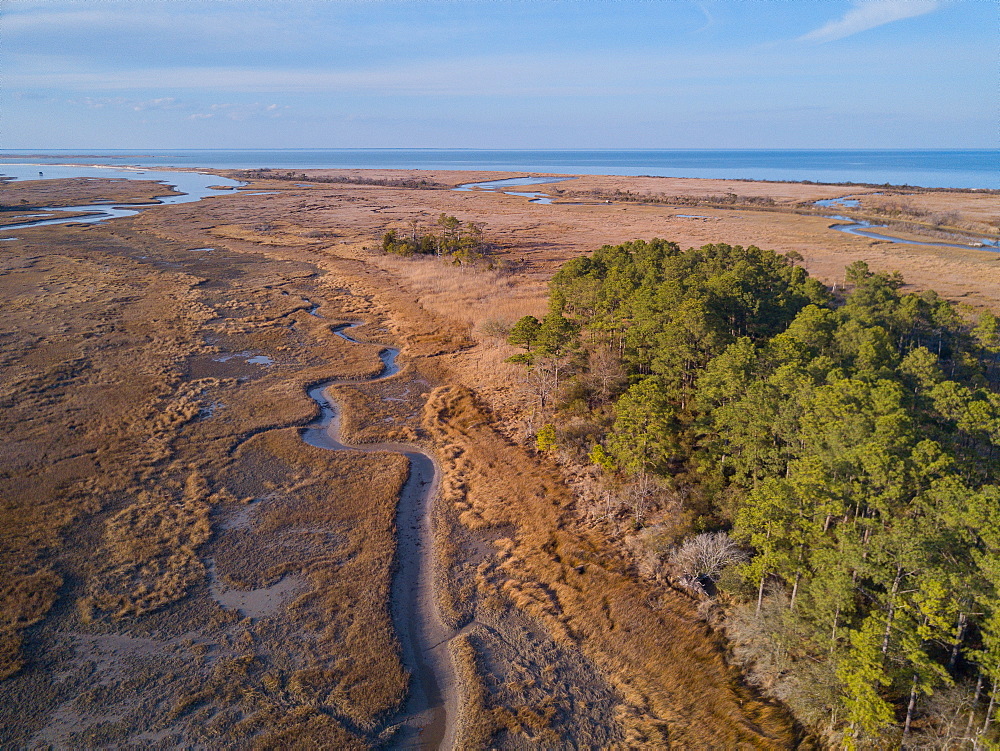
[(427, 719)]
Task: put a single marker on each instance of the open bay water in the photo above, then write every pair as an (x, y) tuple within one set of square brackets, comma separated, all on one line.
[(929, 168)]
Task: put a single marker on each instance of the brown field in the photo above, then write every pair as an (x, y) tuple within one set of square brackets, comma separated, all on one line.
[(178, 568)]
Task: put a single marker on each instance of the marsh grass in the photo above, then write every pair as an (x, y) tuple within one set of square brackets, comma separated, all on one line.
[(670, 672), (330, 517), (382, 411), (263, 234), (468, 295), (75, 428), (149, 554), (124, 440)]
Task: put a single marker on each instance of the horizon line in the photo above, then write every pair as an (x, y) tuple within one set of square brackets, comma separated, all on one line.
[(510, 149)]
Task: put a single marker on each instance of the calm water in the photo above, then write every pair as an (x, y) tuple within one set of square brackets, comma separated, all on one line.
[(927, 168), (193, 186)]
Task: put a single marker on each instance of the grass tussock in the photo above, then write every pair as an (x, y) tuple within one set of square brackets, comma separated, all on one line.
[(476, 726), (26, 599), (149, 556), (262, 234)]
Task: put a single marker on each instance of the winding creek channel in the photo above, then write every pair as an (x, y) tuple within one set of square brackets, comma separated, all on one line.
[(845, 224), (491, 186), (427, 718), (861, 228)]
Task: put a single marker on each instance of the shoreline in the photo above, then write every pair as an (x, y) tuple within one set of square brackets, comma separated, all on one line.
[(302, 174), (279, 174), (535, 167)]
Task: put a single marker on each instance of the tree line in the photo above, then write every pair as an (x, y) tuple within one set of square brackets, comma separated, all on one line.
[(825, 462), (266, 173)]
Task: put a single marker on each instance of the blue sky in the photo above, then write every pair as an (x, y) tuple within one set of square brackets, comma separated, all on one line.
[(499, 74)]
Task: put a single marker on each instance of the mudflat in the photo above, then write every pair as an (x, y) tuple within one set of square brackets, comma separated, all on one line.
[(181, 568)]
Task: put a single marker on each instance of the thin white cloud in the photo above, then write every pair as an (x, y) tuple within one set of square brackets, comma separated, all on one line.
[(160, 103), (507, 75), (869, 15), (709, 19), (240, 111), (46, 19), (471, 76), (138, 105), (150, 28)]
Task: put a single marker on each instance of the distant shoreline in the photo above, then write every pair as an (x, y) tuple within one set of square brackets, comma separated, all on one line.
[(964, 169), (286, 174)]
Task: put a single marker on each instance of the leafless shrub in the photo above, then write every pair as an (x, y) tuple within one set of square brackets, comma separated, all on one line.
[(951, 717), (945, 218), (496, 328), (899, 208), (706, 555)]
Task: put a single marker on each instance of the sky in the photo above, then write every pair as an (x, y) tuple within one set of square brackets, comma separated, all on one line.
[(574, 74)]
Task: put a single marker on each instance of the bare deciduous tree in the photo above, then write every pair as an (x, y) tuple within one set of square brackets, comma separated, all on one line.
[(542, 378), (606, 371), (641, 495)]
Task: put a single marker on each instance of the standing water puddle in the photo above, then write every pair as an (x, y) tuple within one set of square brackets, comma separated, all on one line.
[(254, 603)]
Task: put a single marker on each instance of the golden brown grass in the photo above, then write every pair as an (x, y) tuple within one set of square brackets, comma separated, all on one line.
[(149, 556), (465, 294), (75, 428), (26, 600), (672, 676), (264, 235), (330, 518), (475, 725), (127, 440), (977, 212)]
